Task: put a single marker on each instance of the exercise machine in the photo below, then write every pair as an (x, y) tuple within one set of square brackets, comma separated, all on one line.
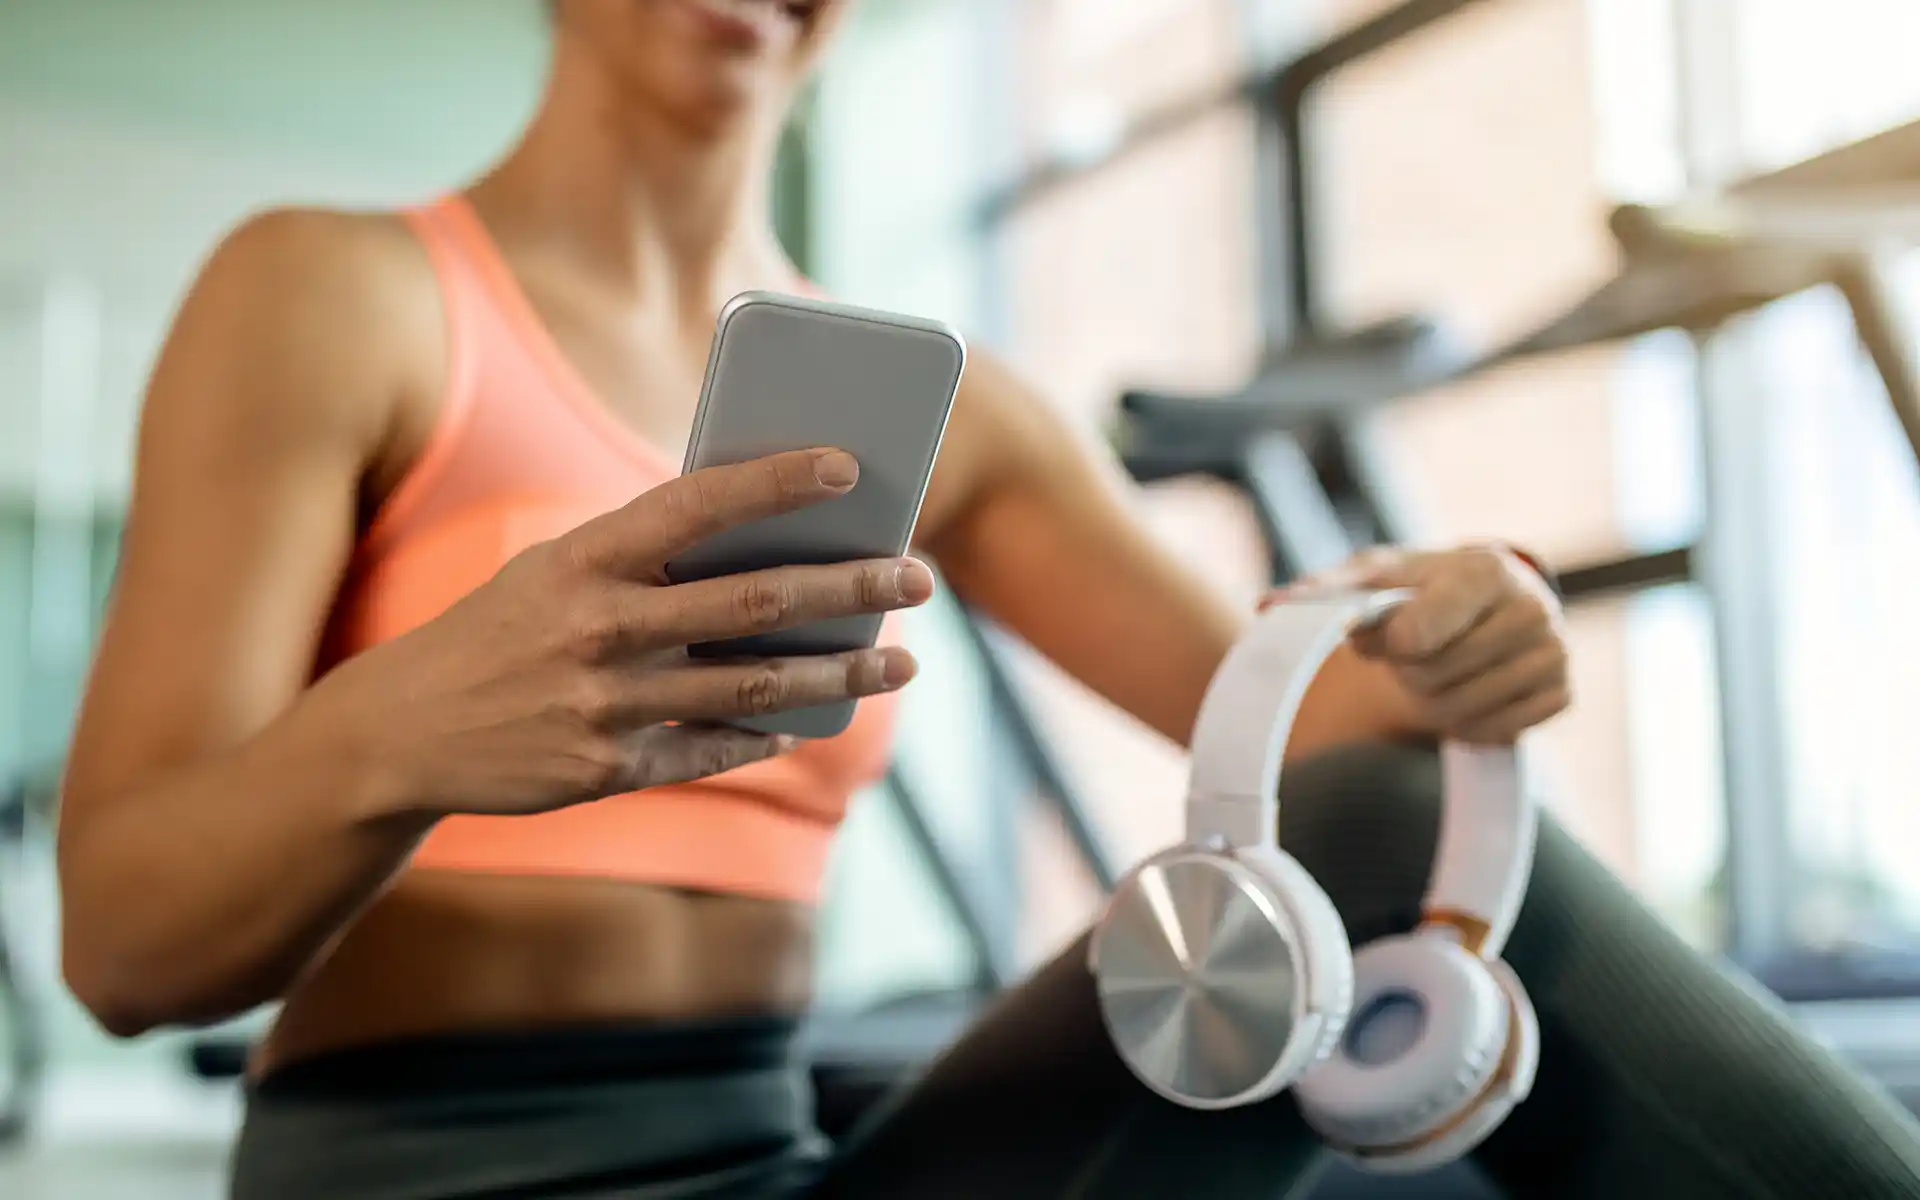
[(21, 1019)]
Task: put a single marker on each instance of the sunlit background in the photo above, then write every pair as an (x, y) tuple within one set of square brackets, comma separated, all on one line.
[(1746, 747)]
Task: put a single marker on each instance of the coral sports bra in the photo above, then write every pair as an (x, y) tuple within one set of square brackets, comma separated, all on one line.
[(524, 451)]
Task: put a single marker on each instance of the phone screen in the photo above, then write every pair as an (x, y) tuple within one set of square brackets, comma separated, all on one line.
[(787, 373)]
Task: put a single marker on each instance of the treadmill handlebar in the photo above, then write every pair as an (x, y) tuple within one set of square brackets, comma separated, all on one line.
[(1303, 385)]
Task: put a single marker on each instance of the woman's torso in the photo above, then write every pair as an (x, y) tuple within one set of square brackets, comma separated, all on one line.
[(671, 904)]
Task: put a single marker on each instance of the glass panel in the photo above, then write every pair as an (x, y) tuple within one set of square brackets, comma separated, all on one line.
[(1846, 508), (1459, 175), (1144, 273), (1636, 98), (1813, 76), (1534, 455), (1091, 65), (1674, 732), (1585, 755)]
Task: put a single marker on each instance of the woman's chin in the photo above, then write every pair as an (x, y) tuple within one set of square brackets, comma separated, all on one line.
[(728, 98), (710, 96)]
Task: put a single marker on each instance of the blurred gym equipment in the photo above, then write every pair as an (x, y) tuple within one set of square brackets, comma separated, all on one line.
[(21, 1022), (1838, 220), (1835, 220)]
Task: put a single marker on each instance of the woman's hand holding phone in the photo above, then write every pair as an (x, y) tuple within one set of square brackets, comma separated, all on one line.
[(565, 678)]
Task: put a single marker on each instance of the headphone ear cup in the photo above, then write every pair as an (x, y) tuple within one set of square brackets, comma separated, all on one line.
[(1323, 944), (1429, 1027), (1523, 1056), (1520, 1061), (1214, 970)]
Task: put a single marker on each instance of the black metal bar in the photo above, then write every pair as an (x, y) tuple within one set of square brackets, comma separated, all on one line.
[(26, 1056), (1355, 464), (992, 973), (1297, 221), (1636, 573), (1292, 87), (1049, 777), (1298, 520), (1369, 37), (26, 1050)]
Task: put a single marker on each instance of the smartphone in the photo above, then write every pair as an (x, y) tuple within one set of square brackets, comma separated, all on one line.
[(792, 373)]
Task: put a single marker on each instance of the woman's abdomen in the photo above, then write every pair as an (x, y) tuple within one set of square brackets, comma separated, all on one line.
[(447, 951)]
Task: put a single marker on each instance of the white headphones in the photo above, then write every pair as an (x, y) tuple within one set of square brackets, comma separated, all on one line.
[(1224, 973)]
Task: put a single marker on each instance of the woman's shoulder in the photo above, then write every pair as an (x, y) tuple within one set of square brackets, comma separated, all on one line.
[(298, 259), (332, 305)]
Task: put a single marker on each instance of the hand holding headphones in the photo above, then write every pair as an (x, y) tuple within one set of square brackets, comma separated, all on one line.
[(1224, 973)]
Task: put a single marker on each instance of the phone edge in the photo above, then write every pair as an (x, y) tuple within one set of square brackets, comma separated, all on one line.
[(836, 308)]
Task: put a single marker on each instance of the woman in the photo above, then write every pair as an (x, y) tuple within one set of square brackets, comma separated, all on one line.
[(390, 617)]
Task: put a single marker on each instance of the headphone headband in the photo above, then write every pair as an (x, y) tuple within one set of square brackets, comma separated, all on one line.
[(1487, 825)]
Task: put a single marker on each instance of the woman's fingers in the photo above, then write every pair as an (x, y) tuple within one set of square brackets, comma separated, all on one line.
[(1512, 628), (760, 602), (731, 691), (663, 754), (1504, 726), (638, 540), (1522, 682), (1477, 646)]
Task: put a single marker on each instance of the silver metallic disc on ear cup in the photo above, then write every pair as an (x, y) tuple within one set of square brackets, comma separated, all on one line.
[(1198, 978)]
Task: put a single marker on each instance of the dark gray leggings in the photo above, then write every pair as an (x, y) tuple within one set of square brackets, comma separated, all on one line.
[(1662, 1077)]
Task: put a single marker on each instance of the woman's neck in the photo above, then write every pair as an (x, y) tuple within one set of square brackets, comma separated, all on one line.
[(639, 200)]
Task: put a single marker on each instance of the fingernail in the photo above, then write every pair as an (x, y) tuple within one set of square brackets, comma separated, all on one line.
[(897, 669), (785, 743), (836, 469), (913, 581)]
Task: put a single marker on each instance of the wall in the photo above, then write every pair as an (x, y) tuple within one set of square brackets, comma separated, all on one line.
[(132, 133)]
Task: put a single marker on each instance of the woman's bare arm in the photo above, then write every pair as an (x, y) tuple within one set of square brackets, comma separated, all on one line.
[(204, 859), (1033, 524)]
